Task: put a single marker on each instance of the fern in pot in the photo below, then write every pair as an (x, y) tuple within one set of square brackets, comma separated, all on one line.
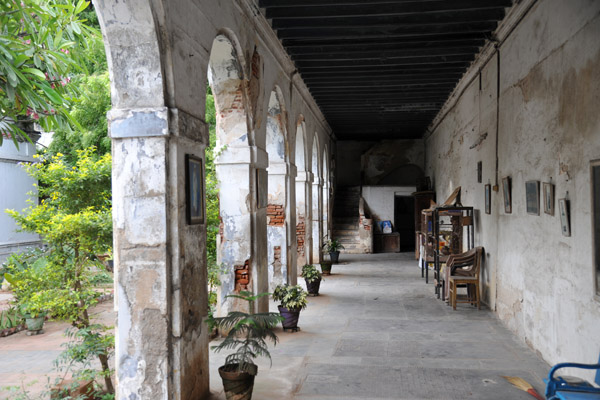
[(248, 334), (313, 278), (293, 300)]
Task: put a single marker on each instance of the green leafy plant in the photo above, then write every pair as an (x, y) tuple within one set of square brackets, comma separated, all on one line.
[(310, 273), (332, 245), (291, 297), (10, 318), (41, 45), (247, 334), (74, 218)]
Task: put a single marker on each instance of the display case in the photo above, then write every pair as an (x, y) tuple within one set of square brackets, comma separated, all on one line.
[(422, 201), (448, 230)]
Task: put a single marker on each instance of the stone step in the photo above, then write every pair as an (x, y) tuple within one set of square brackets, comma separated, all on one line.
[(345, 227), (345, 232)]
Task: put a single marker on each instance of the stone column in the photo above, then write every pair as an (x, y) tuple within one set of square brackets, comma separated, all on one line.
[(160, 279), (303, 217), (241, 242), (277, 220), (317, 207), (292, 245)]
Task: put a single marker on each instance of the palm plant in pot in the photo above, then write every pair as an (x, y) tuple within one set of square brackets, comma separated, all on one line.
[(313, 279), (333, 247), (247, 335), (293, 299)]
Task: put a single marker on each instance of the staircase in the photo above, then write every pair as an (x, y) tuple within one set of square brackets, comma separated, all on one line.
[(346, 218)]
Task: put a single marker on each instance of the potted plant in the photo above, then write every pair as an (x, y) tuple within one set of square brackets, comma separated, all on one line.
[(326, 267), (313, 279), (293, 299), (247, 336), (333, 247), (34, 314)]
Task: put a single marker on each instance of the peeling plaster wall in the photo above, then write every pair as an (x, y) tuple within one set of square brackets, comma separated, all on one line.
[(539, 282), (380, 202), (387, 162), (158, 54)]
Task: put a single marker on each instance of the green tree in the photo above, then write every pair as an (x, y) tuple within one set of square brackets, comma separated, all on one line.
[(90, 113), (41, 46), (74, 218)]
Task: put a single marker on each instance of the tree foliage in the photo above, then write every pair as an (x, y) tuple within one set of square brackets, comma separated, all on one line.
[(73, 217), (41, 46)]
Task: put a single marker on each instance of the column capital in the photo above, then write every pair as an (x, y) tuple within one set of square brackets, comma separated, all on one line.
[(244, 155), (304, 176), (138, 122)]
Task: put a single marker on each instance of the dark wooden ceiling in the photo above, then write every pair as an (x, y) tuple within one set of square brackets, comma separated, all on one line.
[(382, 69)]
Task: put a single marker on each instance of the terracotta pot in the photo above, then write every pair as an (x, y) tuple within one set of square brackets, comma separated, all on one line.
[(313, 287), (290, 318), (238, 385)]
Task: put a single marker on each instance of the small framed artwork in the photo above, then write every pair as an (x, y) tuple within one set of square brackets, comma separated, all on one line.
[(194, 190), (479, 171), (488, 199), (563, 210), (262, 190), (548, 198), (532, 196), (506, 191)]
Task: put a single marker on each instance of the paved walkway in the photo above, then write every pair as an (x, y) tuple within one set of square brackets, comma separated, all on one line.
[(377, 332)]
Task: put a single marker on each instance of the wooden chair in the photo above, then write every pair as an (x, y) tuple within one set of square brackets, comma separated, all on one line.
[(464, 271)]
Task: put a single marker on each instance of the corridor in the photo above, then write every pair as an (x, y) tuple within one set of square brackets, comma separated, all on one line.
[(378, 332)]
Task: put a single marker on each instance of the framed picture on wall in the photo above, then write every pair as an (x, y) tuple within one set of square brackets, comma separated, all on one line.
[(488, 199), (563, 210), (194, 190), (262, 191), (506, 191), (532, 197), (548, 198)]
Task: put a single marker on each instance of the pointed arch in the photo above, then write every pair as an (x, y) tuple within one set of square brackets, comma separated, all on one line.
[(226, 79)]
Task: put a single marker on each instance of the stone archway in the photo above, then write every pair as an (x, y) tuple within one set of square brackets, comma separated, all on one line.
[(317, 207), (325, 196), (278, 204), (303, 200), (240, 167), (160, 282)]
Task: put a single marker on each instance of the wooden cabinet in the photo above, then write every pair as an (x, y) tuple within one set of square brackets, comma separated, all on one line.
[(387, 242)]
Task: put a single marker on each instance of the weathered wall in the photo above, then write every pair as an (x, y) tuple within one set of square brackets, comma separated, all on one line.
[(539, 282), (16, 179), (388, 162), (158, 55), (380, 201)]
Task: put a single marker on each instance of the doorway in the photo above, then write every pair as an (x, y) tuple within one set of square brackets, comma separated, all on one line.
[(404, 221)]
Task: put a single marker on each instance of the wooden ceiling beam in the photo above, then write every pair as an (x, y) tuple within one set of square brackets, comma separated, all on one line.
[(395, 8), (444, 17)]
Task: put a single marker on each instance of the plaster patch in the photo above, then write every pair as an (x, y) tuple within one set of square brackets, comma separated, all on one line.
[(139, 124)]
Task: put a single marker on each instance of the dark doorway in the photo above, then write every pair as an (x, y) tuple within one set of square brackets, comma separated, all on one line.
[(404, 221)]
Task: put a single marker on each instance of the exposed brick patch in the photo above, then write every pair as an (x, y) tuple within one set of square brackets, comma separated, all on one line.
[(300, 231), (242, 276), (275, 215), (276, 254)]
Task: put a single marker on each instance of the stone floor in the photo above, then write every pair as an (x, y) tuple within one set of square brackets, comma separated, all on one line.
[(377, 332)]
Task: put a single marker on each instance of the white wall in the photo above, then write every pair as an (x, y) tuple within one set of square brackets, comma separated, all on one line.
[(15, 186), (380, 201), (539, 282)]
